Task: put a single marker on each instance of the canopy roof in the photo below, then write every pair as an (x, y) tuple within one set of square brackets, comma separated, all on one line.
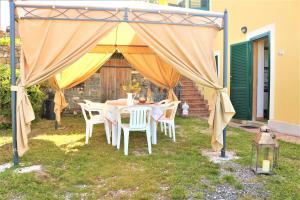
[(127, 11)]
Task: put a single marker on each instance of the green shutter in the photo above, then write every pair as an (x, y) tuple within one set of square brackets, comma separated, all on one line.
[(241, 80)]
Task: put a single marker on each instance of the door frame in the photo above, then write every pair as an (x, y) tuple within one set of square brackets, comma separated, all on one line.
[(252, 40), (270, 30)]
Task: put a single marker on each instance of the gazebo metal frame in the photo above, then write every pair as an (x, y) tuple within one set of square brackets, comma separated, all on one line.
[(136, 16)]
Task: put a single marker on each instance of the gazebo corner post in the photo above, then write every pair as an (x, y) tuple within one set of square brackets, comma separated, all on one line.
[(13, 82), (225, 70)]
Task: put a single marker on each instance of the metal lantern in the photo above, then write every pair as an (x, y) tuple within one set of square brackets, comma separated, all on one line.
[(185, 109), (265, 150)]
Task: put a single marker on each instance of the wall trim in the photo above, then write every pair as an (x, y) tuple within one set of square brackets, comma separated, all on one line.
[(283, 127), (261, 31)]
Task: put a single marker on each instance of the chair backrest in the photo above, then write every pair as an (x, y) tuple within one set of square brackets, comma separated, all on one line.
[(87, 101), (174, 109), (139, 116), (84, 110), (164, 101), (90, 108), (170, 109)]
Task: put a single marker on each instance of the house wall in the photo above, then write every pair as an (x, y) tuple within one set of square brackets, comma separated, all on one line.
[(283, 17)]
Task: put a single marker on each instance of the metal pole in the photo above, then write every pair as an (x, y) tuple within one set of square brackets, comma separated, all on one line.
[(225, 68), (13, 81)]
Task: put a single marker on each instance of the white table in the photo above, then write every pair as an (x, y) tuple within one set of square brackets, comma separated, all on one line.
[(111, 115)]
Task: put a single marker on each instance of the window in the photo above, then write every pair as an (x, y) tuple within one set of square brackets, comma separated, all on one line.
[(194, 4), (217, 59), (199, 4)]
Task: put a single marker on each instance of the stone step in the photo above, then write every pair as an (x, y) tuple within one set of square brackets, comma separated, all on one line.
[(194, 101), (191, 94), (197, 104), (192, 97), (190, 91)]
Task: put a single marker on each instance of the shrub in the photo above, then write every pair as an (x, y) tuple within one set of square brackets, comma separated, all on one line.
[(36, 95), (6, 40)]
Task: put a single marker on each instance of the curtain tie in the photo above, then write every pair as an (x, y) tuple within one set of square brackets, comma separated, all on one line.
[(16, 88)]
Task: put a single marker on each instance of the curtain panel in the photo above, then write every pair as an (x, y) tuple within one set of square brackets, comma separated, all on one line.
[(190, 51), (156, 70), (47, 47), (74, 74)]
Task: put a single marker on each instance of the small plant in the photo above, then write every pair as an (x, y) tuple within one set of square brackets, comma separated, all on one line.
[(5, 41), (36, 95), (132, 87), (230, 179)]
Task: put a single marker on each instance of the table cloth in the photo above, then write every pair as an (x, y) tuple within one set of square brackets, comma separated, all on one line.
[(112, 109)]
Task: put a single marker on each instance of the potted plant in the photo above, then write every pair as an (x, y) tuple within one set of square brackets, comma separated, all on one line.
[(131, 89)]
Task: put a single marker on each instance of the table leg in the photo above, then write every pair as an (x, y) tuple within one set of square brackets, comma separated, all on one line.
[(154, 131), (114, 134)]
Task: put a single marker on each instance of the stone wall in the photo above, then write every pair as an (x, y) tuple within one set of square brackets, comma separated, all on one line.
[(90, 90), (5, 55)]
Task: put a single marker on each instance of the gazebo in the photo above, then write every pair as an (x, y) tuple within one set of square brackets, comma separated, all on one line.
[(65, 42)]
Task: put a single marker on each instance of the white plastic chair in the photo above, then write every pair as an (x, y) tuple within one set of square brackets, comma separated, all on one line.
[(139, 120), (163, 102), (88, 111), (169, 121)]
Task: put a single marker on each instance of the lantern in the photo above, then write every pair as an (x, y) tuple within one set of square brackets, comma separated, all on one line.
[(265, 150), (185, 109)]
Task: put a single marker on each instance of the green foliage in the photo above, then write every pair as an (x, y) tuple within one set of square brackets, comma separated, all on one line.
[(36, 95), (6, 40), (175, 170)]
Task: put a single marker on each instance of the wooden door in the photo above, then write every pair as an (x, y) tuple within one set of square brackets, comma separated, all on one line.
[(111, 79)]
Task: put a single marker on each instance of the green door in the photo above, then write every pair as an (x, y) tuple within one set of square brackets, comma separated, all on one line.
[(241, 80)]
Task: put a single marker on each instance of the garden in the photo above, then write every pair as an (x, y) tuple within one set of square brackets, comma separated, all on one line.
[(73, 170)]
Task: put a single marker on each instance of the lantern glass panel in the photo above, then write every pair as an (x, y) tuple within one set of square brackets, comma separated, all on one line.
[(263, 158)]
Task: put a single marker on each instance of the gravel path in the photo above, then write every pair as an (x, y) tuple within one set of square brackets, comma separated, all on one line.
[(251, 187)]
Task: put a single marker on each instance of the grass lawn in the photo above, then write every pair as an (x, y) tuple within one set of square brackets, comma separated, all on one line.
[(72, 170)]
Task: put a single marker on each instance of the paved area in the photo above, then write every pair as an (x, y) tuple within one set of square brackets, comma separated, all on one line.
[(279, 136)]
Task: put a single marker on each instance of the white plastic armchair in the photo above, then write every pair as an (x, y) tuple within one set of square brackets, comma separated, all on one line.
[(92, 115), (163, 102), (139, 120), (168, 121), (87, 101)]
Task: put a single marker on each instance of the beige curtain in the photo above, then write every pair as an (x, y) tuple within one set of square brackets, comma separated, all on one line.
[(59, 99), (74, 74), (154, 69), (189, 50), (47, 47)]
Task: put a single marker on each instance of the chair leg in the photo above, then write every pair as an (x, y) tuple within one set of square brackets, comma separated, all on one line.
[(173, 130), (107, 131), (161, 126), (170, 130), (87, 132), (119, 137), (126, 141), (148, 133), (91, 130), (165, 128)]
